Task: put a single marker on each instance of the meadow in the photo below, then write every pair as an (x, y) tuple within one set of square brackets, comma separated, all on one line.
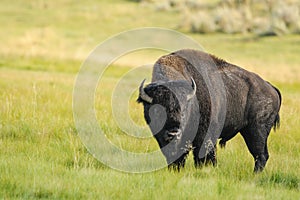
[(43, 45)]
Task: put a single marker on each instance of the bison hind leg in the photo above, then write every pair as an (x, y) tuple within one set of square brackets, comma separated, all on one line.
[(256, 139)]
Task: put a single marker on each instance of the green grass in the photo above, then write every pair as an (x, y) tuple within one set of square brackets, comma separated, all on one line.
[(41, 156)]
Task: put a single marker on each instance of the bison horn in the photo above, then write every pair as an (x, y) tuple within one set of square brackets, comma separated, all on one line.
[(143, 94), (189, 96)]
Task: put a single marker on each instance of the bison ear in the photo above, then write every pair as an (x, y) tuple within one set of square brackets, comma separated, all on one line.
[(192, 94), (142, 95)]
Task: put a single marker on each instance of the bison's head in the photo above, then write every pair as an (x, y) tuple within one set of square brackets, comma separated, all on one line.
[(169, 109)]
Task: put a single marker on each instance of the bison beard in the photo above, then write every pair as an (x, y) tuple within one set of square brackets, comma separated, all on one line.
[(186, 110)]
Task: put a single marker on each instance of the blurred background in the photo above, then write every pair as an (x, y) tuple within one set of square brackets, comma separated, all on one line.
[(260, 17), (70, 29)]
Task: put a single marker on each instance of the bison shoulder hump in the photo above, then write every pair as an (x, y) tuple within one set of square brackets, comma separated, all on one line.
[(172, 62)]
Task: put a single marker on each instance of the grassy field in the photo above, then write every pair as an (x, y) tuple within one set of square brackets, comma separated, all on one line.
[(43, 44)]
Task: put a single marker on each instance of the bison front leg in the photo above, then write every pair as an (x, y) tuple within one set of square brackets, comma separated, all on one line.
[(178, 164), (208, 158)]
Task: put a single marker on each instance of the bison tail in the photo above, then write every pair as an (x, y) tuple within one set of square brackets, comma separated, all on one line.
[(222, 143), (276, 122)]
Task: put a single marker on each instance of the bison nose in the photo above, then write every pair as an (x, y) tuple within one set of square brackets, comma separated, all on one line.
[(174, 133)]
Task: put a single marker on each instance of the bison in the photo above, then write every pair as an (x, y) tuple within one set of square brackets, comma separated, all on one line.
[(195, 98)]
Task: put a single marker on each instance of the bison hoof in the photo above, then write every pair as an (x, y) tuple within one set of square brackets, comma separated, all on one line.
[(175, 166), (260, 163)]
